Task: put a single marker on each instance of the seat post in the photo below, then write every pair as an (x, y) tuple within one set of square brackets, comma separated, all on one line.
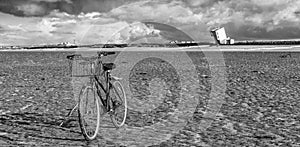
[(107, 73)]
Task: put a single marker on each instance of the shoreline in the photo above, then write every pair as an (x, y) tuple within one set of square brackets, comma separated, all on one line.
[(208, 48)]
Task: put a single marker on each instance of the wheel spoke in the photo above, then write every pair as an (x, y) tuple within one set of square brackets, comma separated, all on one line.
[(89, 116), (119, 97), (120, 105)]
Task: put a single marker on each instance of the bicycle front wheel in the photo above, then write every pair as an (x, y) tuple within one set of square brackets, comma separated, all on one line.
[(88, 112), (119, 103)]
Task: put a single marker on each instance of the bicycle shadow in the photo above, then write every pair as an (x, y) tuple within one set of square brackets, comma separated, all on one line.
[(36, 125), (106, 122)]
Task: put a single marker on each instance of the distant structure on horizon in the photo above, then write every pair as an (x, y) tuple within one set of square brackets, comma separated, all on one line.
[(182, 42), (220, 36), (66, 44)]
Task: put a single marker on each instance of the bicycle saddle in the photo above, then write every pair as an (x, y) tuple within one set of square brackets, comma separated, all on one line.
[(108, 66)]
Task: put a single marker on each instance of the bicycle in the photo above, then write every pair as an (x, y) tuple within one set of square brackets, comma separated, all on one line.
[(109, 96)]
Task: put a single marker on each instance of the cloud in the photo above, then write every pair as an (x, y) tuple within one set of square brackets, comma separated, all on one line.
[(12, 33), (197, 3), (15, 36), (12, 29), (100, 5), (134, 32), (173, 12), (62, 32), (17, 28), (86, 28), (47, 25), (51, 1), (271, 3), (288, 14), (116, 32), (92, 15), (251, 18), (63, 22), (54, 28), (32, 10), (28, 8)]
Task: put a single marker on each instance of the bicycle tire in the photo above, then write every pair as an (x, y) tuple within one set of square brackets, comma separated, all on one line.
[(82, 110), (117, 93)]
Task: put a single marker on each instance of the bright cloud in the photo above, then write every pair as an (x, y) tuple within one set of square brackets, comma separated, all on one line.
[(57, 27), (133, 32), (173, 12), (16, 27)]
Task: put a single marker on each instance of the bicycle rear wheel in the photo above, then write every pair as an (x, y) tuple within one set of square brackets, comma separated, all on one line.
[(119, 103), (88, 112)]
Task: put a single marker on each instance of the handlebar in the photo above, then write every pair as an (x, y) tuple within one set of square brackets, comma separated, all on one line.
[(78, 56), (71, 57), (105, 53)]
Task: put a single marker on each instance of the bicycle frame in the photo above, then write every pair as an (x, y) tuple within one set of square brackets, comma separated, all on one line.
[(95, 80), (106, 90)]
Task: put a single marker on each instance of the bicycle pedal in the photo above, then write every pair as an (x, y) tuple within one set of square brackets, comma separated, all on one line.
[(63, 124), (111, 111), (116, 104)]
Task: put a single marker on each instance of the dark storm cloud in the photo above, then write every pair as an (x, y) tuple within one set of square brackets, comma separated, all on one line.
[(33, 8), (44, 7), (201, 3)]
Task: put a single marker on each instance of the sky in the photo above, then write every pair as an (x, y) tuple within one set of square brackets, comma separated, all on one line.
[(28, 22)]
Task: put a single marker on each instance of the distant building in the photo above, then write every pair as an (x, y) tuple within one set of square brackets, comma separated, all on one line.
[(182, 42), (66, 44), (173, 42), (220, 36)]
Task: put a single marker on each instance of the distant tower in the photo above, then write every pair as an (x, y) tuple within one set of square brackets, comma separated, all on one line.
[(220, 36)]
